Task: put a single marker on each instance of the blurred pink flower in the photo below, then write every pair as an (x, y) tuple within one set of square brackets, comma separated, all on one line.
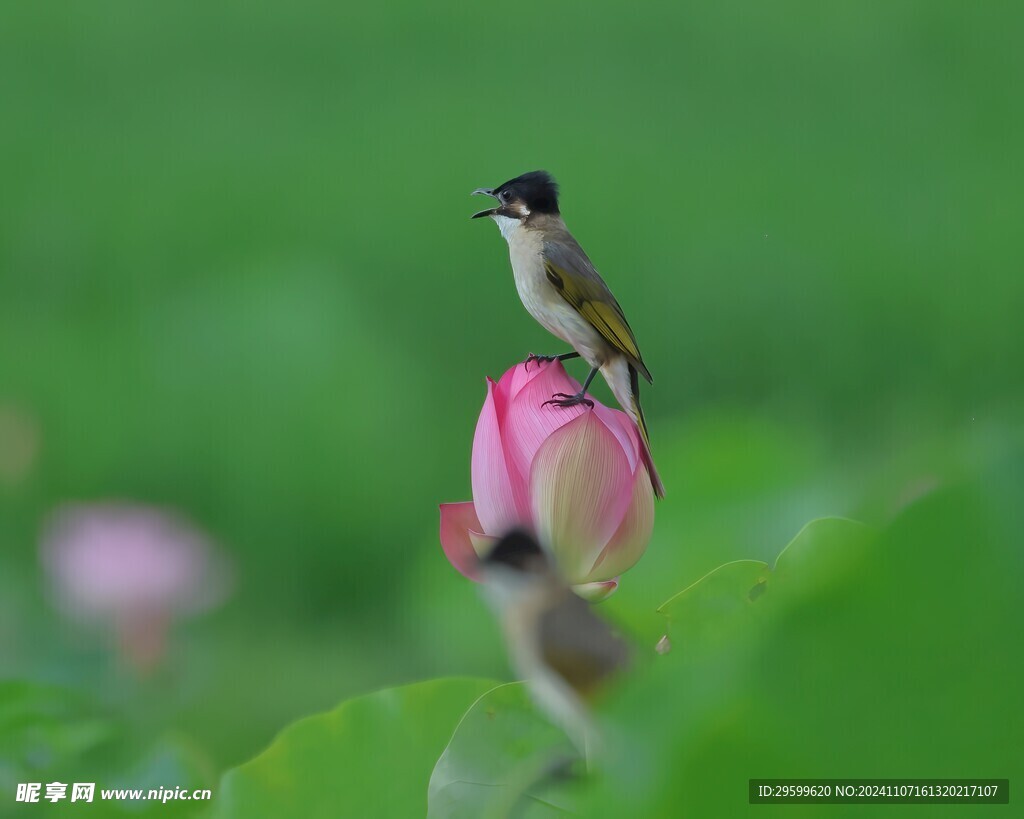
[(578, 477), (132, 568)]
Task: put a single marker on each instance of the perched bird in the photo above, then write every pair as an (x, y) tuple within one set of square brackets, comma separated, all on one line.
[(556, 643), (560, 287)]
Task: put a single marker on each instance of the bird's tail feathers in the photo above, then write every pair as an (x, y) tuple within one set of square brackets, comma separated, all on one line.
[(627, 393)]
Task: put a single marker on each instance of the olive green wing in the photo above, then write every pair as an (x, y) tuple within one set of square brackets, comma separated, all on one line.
[(579, 646), (573, 275)]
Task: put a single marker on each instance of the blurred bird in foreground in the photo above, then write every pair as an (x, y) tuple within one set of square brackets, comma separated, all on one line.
[(556, 643), (561, 288)]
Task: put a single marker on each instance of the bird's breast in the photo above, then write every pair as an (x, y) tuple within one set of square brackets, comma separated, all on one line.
[(538, 295), (545, 303)]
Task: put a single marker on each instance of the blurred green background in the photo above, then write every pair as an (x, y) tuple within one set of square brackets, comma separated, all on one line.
[(238, 279)]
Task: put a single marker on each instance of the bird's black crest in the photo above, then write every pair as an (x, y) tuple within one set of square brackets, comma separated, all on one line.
[(517, 549), (537, 189)]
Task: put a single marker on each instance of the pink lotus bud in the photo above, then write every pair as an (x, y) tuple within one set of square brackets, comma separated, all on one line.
[(575, 476), (131, 568)]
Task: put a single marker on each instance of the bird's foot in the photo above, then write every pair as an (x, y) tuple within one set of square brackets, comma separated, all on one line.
[(561, 399), (539, 359), (547, 359)]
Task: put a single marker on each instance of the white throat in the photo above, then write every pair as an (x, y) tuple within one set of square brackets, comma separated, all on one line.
[(507, 226)]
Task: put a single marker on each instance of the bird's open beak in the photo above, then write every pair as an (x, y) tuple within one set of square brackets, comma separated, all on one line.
[(488, 212)]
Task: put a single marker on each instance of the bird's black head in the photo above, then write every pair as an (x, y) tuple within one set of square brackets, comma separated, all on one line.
[(533, 192), (517, 550), (536, 189)]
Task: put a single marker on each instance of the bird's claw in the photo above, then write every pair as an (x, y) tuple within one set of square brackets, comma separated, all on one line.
[(561, 399), (539, 359)]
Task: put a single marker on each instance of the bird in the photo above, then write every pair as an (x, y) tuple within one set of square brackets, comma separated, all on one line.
[(560, 287), (563, 651)]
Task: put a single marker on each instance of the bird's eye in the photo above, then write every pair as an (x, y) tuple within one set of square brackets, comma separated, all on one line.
[(505, 196)]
